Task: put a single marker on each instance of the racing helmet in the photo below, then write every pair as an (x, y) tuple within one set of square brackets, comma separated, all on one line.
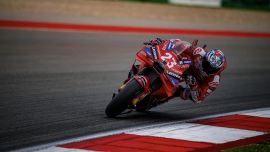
[(213, 61)]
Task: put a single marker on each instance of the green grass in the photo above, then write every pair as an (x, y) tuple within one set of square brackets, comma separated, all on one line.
[(150, 1), (260, 147), (247, 4)]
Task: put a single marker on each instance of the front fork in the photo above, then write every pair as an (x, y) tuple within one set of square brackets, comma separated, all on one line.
[(143, 81)]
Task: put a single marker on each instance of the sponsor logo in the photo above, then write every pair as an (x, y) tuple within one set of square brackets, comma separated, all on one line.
[(173, 74), (154, 52), (148, 51), (169, 46), (185, 62)]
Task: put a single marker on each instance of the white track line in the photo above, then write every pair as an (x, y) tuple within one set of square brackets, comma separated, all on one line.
[(263, 113), (198, 133), (60, 149), (102, 134)]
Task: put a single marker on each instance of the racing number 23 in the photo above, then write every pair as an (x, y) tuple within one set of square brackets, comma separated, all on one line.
[(167, 57)]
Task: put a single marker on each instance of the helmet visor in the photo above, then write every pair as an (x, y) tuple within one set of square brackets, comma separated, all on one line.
[(208, 68)]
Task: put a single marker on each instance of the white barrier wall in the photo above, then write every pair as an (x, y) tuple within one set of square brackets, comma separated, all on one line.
[(209, 3)]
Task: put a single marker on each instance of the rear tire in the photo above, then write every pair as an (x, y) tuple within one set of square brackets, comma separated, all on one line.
[(121, 101)]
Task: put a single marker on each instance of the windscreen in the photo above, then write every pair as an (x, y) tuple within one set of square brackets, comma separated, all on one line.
[(180, 46)]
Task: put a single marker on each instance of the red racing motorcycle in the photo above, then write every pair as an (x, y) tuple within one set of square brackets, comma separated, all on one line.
[(154, 78)]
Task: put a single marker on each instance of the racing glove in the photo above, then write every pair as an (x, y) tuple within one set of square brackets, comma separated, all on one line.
[(188, 94), (197, 66), (156, 41), (191, 82), (192, 92)]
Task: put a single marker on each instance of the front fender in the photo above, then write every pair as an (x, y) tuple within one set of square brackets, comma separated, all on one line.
[(144, 81)]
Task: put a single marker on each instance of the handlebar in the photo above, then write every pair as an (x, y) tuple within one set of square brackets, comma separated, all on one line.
[(147, 43), (204, 46)]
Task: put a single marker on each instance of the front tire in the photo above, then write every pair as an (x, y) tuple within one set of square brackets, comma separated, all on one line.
[(121, 101)]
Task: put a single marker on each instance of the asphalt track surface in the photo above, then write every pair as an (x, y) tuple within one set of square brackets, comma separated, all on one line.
[(55, 85)]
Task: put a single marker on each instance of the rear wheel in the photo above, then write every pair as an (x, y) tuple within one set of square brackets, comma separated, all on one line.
[(121, 101)]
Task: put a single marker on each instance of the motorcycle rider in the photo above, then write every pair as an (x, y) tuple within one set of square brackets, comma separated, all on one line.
[(165, 69), (205, 70)]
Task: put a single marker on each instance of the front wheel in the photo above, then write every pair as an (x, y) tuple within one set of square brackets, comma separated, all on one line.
[(121, 101)]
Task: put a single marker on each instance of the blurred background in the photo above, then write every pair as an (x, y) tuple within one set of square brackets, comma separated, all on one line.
[(240, 4), (56, 83)]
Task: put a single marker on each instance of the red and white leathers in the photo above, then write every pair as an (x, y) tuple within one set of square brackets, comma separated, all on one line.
[(199, 83)]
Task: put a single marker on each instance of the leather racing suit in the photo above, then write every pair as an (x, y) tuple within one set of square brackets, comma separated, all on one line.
[(199, 83)]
